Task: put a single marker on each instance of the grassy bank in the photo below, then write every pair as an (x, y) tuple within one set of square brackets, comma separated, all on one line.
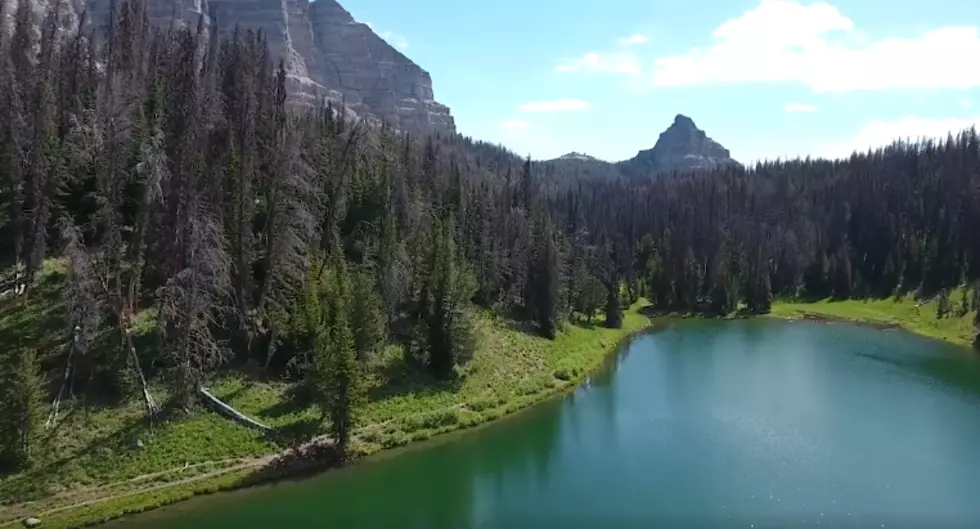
[(906, 312), (102, 461)]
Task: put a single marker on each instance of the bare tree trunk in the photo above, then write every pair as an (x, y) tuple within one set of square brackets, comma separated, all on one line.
[(126, 337), (53, 416), (138, 261), (271, 349), (127, 343)]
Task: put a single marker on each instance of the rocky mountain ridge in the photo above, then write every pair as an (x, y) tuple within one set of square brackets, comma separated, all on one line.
[(326, 52), (681, 147)]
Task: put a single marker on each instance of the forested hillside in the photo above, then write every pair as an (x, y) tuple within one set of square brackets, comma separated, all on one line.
[(164, 172)]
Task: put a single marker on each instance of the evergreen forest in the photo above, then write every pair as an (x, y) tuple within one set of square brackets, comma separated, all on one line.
[(165, 175)]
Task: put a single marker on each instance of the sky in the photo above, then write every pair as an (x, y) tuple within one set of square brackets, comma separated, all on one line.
[(765, 78)]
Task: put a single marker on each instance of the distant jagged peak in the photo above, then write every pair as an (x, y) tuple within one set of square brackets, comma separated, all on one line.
[(682, 146)]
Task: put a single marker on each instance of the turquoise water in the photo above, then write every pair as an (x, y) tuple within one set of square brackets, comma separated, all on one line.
[(706, 424)]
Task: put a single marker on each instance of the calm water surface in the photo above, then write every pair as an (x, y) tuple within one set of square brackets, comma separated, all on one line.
[(700, 424)]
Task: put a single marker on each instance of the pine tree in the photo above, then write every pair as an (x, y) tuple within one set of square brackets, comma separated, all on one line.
[(45, 163), (614, 310), (446, 328), (366, 318), (942, 304), (337, 372), (288, 224), (21, 410), (306, 320), (392, 273), (545, 281), (963, 308), (605, 268)]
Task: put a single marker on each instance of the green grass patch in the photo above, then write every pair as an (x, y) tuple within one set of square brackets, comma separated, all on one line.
[(102, 511), (98, 452), (906, 312)]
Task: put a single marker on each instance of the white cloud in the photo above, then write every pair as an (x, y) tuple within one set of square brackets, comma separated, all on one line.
[(556, 105), (964, 103), (799, 107), (878, 133), (625, 62), (633, 40), (785, 41), (395, 39)]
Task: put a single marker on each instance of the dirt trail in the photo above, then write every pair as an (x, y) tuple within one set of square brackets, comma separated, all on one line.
[(19, 512), (250, 463), (43, 514)]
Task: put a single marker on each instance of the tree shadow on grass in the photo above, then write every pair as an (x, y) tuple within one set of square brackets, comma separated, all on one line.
[(296, 432), (586, 324), (41, 480), (402, 375), (523, 327), (298, 397), (517, 321), (36, 318)]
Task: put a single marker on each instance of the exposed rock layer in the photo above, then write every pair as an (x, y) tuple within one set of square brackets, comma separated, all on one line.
[(327, 53)]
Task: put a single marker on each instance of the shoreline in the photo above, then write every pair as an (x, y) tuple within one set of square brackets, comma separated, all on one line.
[(293, 466), (817, 317), (904, 315), (261, 471)]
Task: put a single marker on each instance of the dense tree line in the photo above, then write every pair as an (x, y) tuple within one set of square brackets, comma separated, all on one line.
[(168, 169), (896, 220)]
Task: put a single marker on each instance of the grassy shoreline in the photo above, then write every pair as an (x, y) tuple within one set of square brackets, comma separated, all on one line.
[(202, 454), (905, 313)]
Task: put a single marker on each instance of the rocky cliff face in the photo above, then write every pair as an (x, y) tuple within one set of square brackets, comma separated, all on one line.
[(369, 72), (327, 54), (683, 146)]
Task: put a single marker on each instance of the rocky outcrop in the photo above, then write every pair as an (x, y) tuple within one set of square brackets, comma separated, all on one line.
[(67, 17), (577, 156), (683, 146), (326, 52), (329, 54)]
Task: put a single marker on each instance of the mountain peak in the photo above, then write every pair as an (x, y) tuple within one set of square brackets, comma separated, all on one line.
[(680, 120), (682, 146)]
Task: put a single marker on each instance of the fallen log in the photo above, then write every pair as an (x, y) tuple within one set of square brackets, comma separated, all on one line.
[(217, 405)]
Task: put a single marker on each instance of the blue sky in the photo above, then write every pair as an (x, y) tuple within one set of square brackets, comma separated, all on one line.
[(765, 78)]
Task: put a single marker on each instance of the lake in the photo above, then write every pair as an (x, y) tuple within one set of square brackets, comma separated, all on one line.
[(751, 423)]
